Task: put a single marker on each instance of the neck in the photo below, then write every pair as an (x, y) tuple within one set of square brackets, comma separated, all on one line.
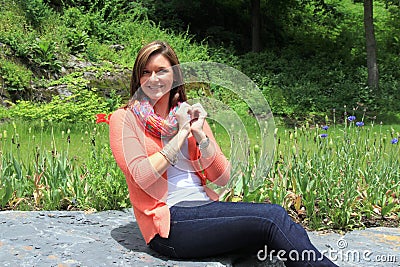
[(161, 107)]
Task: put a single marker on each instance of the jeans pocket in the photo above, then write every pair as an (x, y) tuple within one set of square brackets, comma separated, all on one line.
[(157, 245)]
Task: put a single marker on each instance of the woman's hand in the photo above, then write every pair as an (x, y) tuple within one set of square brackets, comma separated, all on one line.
[(183, 115), (191, 119), (198, 116)]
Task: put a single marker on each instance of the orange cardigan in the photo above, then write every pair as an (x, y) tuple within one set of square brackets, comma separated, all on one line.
[(131, 145)]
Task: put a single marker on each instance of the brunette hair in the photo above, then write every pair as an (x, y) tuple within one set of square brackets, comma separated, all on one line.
[(177, 93)]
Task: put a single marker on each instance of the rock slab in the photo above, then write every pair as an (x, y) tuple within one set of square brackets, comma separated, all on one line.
[(112, 238)]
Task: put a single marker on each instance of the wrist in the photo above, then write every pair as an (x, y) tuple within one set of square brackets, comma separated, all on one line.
[(204, 143), (199, 136), (206, 148), (170, 154), (183, 133)]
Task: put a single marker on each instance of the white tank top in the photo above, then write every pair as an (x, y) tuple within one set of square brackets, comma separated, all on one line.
[(183, 182)]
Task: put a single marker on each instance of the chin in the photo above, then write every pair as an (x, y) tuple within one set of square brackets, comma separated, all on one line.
[(154, 97)]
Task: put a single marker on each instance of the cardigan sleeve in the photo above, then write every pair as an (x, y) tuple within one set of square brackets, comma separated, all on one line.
[(217, 168), (129, 146)]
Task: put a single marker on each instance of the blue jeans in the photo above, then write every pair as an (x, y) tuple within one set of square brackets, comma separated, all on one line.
[(204, 229)]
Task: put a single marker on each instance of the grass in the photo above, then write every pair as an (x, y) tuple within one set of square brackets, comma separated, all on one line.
[(21, 138), (54, 166), (342, 179), (336, 178)]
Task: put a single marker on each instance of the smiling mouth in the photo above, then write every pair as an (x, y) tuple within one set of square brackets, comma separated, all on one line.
[(155, 87)]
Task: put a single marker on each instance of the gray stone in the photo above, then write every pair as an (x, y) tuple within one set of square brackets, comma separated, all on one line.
[(112, 238), (117, 47)]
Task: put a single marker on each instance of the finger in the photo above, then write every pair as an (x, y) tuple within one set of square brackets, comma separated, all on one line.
[(184, 105), (190, 111), (198, 106), (183, 108), (195, 113)]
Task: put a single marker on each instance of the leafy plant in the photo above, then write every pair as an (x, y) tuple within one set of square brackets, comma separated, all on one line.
[(81, 106), (15, 31), (106, 184), (48, 176), (77, 41), (36, 11), (43, 53), (16, 77), (6, 188)]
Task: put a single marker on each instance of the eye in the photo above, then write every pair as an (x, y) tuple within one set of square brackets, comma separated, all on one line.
[(145, 72), (163, 71)]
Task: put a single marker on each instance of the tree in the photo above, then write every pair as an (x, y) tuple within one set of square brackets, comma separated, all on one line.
[(372, 65), (255, 26)]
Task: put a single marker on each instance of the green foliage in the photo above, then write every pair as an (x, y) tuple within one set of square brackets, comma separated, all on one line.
[(79, 104), (44, 176), (108, 10), (3, 113), (43, 53), (88, 23), (15, 76), (223, 23), (36, 11), (334, 178), (21, 39), (296, 87), (107, 187), (15, 31), (82, 105), (6, 188), (77, 41), (314, 61)]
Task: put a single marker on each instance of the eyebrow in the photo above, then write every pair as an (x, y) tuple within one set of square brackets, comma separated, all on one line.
[(159, 68)]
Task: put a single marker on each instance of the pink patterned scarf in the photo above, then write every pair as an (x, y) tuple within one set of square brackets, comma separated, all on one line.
[(153, 123)]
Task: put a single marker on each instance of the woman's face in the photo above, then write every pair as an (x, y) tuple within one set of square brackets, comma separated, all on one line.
[(157, 77)]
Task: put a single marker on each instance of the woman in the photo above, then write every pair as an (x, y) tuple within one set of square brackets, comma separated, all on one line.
[(167, 152)]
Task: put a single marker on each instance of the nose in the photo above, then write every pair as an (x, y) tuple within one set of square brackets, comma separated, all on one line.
[(153, 76)]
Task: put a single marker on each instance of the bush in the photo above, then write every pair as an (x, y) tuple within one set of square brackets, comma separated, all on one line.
[(90, 23), (82, 105), (296, 86), (15, 31), (36, 11), (16, 77), (43, 54)]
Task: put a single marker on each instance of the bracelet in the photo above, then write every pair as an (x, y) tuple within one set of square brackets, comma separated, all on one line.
[(166, 152), (204, 143)]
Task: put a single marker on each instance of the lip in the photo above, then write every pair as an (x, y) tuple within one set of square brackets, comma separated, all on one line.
[(155, 87)]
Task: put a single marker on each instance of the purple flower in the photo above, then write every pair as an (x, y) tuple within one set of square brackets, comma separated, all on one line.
[(360, 123), (351, 118), (326, 127), (323, 135), (395, 140)]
